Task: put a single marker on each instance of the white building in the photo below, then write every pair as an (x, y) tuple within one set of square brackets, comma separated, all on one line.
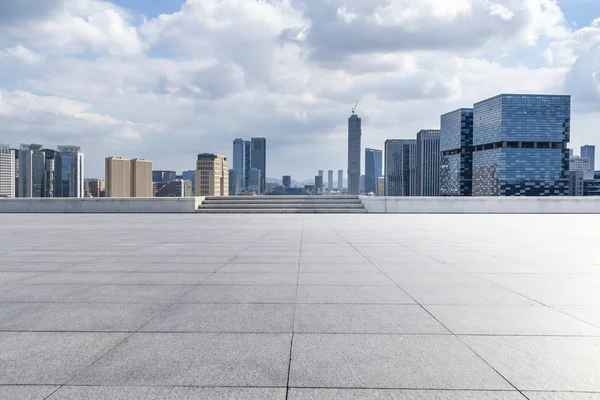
[(7, 172), (577, 163)]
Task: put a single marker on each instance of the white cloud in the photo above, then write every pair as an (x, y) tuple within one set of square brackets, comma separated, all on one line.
[(22, 54), (75, 26)]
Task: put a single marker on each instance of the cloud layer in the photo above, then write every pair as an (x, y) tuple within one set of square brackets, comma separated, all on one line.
[(92, 73)]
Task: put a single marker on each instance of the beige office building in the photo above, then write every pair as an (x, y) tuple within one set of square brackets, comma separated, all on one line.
[(141, 178), (128, 178), (212, 175)]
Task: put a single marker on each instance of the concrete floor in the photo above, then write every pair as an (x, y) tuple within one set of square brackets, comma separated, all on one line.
[(430, 307)]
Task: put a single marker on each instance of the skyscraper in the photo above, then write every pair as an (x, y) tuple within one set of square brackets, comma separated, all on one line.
[(7, 172), (247, 163), (212, 175), (373, 169), (68, 172), (456, 149), (520, 145), (287, 181), (32, 163), (49, 173), (141, 178), (400, 167), (330, 181), (340, 181), (117, 174), (589, 151), (239, 165), (258, 159), (428, 162), (320, 172), (354, 138), (319, 183), (233, 182), (254, 180)]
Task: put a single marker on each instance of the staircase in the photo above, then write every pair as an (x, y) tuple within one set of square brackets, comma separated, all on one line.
[(282, 205)]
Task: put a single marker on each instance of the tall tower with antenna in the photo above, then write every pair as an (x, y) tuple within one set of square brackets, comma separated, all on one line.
[(354, 138)]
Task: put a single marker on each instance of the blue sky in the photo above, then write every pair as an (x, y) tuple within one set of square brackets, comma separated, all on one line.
[(117, 79)]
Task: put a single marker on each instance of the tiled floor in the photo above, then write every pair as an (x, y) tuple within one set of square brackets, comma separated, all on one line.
[(300, 307)]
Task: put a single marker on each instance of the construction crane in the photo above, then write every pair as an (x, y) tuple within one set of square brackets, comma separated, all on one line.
[(356, 105)]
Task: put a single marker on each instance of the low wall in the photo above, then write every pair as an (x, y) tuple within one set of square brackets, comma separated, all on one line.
[(102, 205), (482, 205)]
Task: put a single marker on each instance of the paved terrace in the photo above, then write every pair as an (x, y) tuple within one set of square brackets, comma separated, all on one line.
[(429, 307)]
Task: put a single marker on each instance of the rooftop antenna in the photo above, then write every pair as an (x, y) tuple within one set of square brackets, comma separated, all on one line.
[(356, 105)]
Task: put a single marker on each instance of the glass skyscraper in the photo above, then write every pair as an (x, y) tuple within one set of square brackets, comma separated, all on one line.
[(456, 150), (589, 151), (354, 138), (68, 174), (373, 169), (258, 159), (428, 162), (400, 167), (239, 166), (520, 145)]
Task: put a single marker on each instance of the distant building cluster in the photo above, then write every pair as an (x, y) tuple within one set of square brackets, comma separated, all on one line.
[(33, 171), (508, 145)]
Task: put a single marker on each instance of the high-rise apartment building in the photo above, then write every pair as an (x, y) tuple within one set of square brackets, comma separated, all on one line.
[(577, 163), (287, 181), (373, 169), (589, 151), (400, 167), (141, 178), (32, 167), (258, 159), (428, 162), (7, 172), (330, 181), (340, 181), (354, 138), (520, 145), (118, 176), (212, 175), (239, 165), (456, 151), (68, 172)]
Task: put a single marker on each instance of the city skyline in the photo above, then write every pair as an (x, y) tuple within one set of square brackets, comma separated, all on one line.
[(125, 94)]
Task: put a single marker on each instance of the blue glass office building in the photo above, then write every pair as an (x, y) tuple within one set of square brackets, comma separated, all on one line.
[(520, 145), (373, 169), (456, 148)]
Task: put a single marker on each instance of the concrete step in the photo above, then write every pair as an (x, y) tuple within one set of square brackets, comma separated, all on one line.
[(258, 198), (245, 206), (291, 201), (282, 211)]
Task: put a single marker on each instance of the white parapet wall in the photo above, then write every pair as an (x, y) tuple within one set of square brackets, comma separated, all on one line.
[(102, 205), (482, 205)]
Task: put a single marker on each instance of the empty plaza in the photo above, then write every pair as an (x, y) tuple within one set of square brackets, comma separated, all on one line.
[(300, 307)]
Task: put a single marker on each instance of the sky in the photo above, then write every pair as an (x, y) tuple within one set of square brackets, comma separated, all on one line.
[(168, 79)]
